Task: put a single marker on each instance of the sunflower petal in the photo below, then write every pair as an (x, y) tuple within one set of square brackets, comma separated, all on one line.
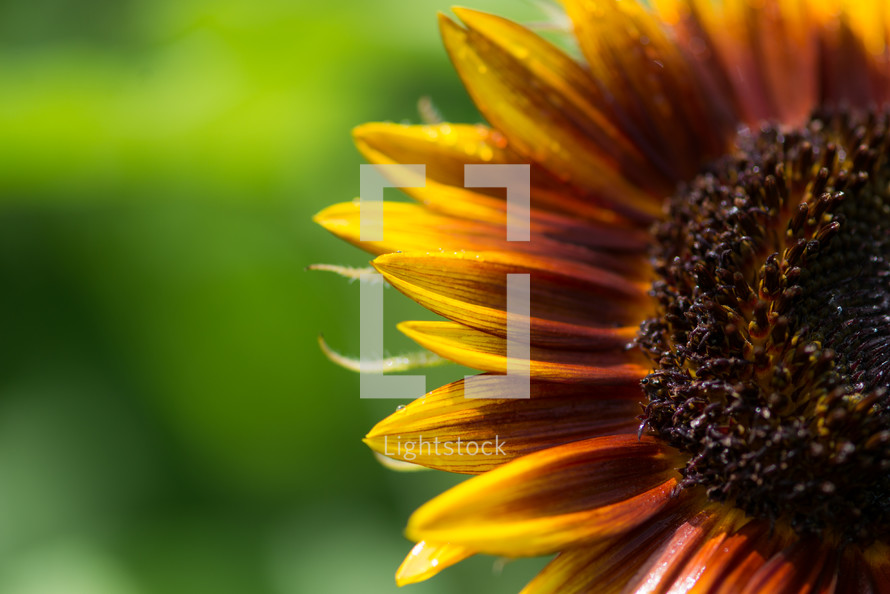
[(785, 47), (584, 570), (856, 577), (659, 571), (564, 496), (804, 566), (631, 55), (427, 559), (471, 288), (761, 60), (529, 90), (771, 56), (634, 562), (486, 352), (855, 66), (398, 465), (444, 150), (410, 227), (731, 555), (554, 414), (877, 562)]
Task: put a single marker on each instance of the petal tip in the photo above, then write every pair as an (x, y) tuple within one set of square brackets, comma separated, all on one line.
[(368, 130), (445, 21)]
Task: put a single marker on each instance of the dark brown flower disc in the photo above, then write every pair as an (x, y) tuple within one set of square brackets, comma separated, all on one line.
[(771, 346)]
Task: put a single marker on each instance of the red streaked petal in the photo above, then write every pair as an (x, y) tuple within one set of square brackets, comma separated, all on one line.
[(585, 570), (410, 227), (787, 56), (739, 553), (564, 496), (659, 572), (427, 559), (771, 55), (637, 561), (529, 90), (471, 288), (443, 149), (855, 67), (632, 57), (553, 415), (760, 58), (693, 27), (802, 567), (487, 352)]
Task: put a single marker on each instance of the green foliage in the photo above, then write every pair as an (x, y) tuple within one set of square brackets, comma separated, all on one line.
[(167, 422)]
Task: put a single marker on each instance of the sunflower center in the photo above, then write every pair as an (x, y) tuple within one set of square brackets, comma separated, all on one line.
[(771, 349)]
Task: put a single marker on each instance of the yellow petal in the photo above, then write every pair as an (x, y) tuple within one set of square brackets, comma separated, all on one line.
[(486, 352), (502, 428), (530, 91), (409, 227), (427, 559), (471, 288), (445, 148), (544, 502)]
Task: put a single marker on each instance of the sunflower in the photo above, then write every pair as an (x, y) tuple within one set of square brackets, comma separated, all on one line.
[(709, 274)]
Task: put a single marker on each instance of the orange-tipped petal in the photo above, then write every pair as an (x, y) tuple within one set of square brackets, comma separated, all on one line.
[(564, 496), (427, 559), (487, 352), (437, 424)]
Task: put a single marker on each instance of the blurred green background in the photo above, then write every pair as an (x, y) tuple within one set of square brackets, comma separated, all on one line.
[(167, 422)]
